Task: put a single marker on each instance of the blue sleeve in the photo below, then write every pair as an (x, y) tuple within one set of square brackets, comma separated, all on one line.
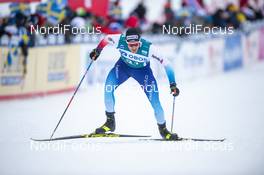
[(168, 68), (170, 73)]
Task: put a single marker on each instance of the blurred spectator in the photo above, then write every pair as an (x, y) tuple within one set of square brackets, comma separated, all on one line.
[(132, 21), (113, 24), (168, 12), (220, 18), (191, 12), (236, 18), (169, 18), (140, 11), (252, 12), (115, 11), (79, 20), (3, 25), (68, 20), (17, 28)]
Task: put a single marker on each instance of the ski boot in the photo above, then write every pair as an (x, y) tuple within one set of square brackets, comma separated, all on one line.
[(109, 125), (165, 134)]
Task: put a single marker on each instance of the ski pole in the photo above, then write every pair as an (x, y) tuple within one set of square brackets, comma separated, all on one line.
[(71, 98), (172, 117)]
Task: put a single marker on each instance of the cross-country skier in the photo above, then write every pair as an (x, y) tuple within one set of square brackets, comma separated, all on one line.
[(134, 62)]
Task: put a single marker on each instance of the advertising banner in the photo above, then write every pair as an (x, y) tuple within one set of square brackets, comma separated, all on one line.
[(13, 80), (215, 54), (250, 48), (192, 60), (48, 70), (58, 67), (261, 44), (233, 53)]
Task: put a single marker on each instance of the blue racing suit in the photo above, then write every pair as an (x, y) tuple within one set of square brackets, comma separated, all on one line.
[(136, 66)]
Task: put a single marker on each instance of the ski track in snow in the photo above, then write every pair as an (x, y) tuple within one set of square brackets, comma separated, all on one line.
[(222, 106)]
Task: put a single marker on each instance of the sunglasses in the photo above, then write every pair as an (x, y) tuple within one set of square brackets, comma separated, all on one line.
[(136, 44)]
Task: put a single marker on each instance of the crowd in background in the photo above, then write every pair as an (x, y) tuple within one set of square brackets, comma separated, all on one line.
[(232, 15)]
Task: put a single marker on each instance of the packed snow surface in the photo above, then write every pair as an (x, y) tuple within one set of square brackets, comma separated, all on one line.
[(229, 105)]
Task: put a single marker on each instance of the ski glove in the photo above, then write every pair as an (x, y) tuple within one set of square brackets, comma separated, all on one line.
[(174, 90), (95, 53)]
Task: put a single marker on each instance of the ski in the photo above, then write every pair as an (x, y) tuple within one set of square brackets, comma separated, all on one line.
[(187, 139), (92, 135), (114, 135)]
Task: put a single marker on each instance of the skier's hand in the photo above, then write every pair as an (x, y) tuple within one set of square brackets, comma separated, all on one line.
[(174, 90), (95, 54)]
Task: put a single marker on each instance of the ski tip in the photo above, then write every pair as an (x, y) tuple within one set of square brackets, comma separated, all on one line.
[(33, 139), (40, 140), (206, 140)]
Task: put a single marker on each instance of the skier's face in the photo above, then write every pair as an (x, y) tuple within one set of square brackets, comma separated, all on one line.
[(133, 46)]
